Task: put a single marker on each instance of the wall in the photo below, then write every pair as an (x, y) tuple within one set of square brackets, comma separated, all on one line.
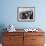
[(8, 13)]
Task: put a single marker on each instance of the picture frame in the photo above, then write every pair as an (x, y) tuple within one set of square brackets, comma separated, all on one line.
[(26, 14)]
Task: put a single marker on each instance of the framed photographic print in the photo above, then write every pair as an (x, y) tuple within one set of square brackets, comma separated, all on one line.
[(25, 14)]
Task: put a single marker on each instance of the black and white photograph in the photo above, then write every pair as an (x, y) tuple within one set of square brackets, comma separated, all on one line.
[(26, 14)]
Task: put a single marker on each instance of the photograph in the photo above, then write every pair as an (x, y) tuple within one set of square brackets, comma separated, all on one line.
[(26, 14)]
